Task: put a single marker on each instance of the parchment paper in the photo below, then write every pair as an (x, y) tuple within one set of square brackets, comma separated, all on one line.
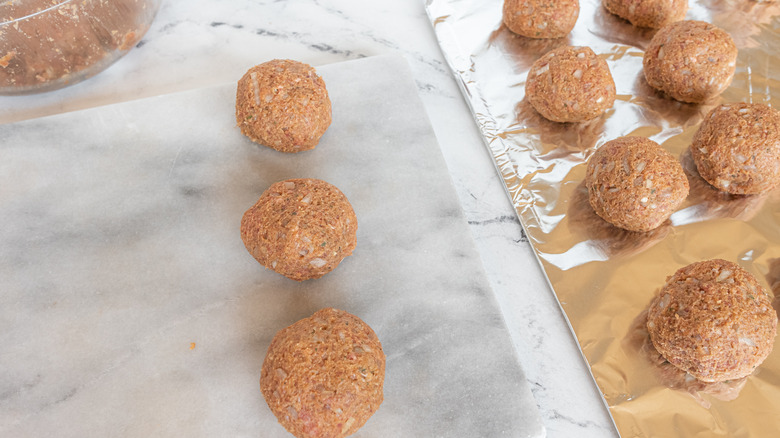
[(130, 306)]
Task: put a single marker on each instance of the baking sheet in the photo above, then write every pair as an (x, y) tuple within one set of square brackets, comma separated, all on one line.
[(131, 307), (604, 277)]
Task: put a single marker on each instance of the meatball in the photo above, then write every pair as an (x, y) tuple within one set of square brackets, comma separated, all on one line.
[(541, 19), (691, 61), (634, 184), (323, 375), (737, 148), (300, 228), (570, 84), (284, 105), (648, 13), (713, 320)]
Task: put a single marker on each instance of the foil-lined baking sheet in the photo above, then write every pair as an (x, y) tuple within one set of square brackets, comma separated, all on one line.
[(604, 277)]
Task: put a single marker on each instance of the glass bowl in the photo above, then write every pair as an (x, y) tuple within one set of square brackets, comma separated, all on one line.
[(50, 44)]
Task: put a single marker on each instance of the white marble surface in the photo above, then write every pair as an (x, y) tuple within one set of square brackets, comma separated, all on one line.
[(121, 247), (198, 43)]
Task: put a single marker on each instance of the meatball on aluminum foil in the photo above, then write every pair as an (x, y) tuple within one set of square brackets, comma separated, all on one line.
[(737, 148), (654, 14), (541, 18), (691, 61), (570, 84), (713, 320), (634, 184)]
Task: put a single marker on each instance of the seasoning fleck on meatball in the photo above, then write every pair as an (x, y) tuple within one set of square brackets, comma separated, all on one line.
[(713, 320), (284, 105), (648, 13), (541, 18), (300, 228), (570, 84), (737, 148), (690, 61), (634, 184), (323, 375)]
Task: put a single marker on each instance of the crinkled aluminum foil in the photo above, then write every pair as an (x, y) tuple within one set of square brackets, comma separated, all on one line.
[(603, 277)]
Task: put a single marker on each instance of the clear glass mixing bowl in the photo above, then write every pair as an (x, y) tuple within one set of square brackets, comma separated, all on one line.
[(50, 44)]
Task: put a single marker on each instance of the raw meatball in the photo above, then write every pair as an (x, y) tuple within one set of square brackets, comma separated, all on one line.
[(713, 320), (540, 18), (323, 375), (737, 148), (634, 184), (691, 61), (570, 84), (300, 228), (284, 105), (648, 13)]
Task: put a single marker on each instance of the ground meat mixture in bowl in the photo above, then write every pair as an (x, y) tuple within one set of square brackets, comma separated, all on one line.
[(50, 44)]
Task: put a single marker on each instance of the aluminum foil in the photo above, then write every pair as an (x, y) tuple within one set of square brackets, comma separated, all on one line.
[(604, 277)]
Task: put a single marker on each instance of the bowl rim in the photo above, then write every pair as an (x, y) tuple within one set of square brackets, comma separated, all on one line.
[(44, 11)]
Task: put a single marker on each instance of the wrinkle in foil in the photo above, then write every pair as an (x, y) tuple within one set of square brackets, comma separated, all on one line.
[(605, 277)]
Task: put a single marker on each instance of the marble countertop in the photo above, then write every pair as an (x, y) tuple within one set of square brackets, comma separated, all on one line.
[(199, 43)]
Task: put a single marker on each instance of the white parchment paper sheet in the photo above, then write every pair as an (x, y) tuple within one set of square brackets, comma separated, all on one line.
[(131, 308)]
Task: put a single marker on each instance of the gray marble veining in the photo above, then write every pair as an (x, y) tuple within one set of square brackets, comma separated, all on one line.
[(131, 308), (184, 50)]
